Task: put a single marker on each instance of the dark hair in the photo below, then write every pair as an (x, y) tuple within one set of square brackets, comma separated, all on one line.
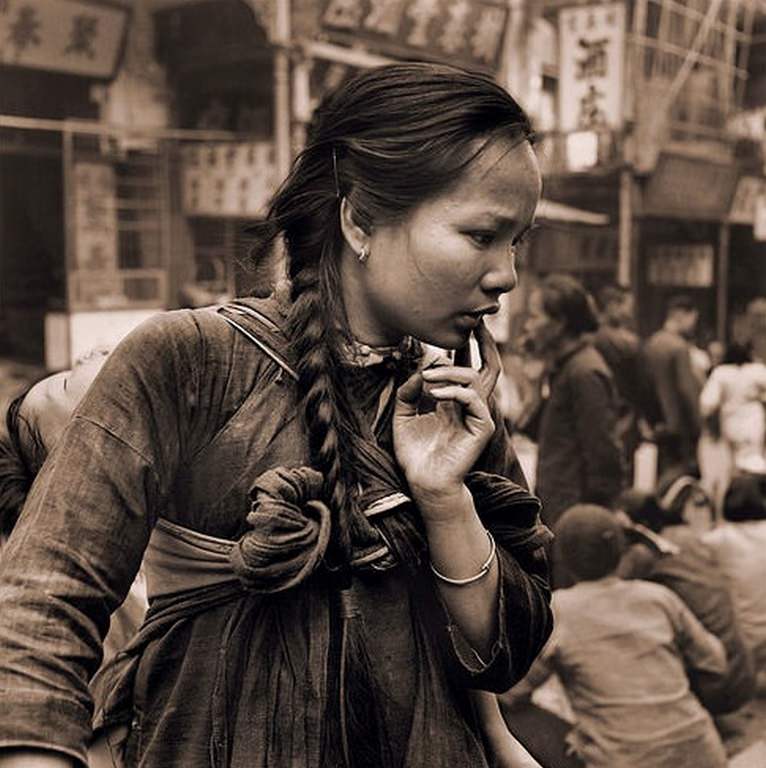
[(737, 354), (590, 541), (386, 140), (744, 499), (565, 299), (681, 301), (645, 509), (611, 294), (22, 453)]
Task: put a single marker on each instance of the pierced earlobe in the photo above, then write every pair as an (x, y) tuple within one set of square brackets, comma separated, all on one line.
[(364, 254)]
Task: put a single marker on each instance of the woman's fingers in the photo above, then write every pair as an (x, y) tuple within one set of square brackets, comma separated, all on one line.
[(491, 365), (468, 397), (408, 395), (452, 374)]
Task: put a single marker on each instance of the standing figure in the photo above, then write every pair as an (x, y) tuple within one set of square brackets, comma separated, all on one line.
[(669, 358), (620, 347), (735, 395), (337, 555), (579, 455)]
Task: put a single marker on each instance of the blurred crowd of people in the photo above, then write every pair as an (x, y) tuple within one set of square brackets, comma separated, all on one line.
[(650, 466)]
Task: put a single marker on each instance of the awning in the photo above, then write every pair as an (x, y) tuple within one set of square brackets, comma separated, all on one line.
[(547, 210)]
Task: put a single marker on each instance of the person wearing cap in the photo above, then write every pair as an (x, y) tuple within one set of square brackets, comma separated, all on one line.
[(739, 545), (686, 564), (622, 650), (669, 359)]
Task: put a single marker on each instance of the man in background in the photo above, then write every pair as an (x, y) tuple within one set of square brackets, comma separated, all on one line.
[(620, 346), (669, 360)]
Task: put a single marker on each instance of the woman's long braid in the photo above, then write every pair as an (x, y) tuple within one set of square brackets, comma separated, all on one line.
[(319, 388), (330, 424)]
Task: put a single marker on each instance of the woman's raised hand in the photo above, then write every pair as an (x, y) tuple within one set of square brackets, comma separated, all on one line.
[(438, 446)]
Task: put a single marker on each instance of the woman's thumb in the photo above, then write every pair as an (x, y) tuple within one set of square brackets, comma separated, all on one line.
[(408, 395)]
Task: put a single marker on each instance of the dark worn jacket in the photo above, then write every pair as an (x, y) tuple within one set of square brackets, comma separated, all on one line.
[(185, 416), (669, 360), (579, 455), (621, 350)]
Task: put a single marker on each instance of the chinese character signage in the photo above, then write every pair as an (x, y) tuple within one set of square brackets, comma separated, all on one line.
[(467, 32), (681, 266), (62, 35), (228, 178), (591, 50), (94, 244)]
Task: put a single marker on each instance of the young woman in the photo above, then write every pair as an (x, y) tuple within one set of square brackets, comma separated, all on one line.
[(335, 554)]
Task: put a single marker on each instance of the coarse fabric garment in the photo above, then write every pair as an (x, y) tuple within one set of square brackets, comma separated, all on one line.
[(579, 454), (695, 575), (620, 649), (185, 416), (739, 549)]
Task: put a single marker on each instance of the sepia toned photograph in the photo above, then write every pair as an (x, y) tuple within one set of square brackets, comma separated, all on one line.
[(382, 383)]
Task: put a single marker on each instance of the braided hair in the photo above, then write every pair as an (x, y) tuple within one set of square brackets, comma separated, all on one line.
[(386, 140)]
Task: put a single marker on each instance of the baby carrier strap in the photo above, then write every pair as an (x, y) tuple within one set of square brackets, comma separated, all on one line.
[(259, 321)]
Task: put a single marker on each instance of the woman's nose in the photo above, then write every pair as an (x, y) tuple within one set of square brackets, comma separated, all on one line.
[(502, 277)]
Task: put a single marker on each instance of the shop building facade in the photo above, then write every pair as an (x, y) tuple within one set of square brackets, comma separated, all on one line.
[(640, 101)]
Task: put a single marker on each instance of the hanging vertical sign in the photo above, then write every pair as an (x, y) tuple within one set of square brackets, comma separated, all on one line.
[(62, 35), (591, 53), (228, 178), (467, 32), (94, 269)]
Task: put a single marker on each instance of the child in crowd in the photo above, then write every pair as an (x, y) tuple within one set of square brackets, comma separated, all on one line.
[(622, 650)]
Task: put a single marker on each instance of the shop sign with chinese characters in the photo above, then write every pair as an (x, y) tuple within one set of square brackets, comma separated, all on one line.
[(467, 32), (687, 265), (78, 38), (591, 52), (228, 178), (94, 270)]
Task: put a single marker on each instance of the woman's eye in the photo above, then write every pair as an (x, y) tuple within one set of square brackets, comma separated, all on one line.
[(524, 236), (482, 239)]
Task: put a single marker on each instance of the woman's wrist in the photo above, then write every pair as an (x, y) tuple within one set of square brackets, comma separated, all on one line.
[(444, 505)]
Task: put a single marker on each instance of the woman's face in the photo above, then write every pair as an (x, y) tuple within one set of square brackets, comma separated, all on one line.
[(435, 273), (49, 404), (543, 330)]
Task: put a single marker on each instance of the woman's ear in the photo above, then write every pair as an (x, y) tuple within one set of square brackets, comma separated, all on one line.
[(356, 238)]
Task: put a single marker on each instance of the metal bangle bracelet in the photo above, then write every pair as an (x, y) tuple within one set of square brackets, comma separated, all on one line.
[(482, 572)]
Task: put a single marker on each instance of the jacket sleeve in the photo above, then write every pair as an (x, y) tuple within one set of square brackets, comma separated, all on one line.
[(80, 539), (595, 408), (524, 617)]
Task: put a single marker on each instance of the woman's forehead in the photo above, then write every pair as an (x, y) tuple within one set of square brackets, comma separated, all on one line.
[(502, 182)]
